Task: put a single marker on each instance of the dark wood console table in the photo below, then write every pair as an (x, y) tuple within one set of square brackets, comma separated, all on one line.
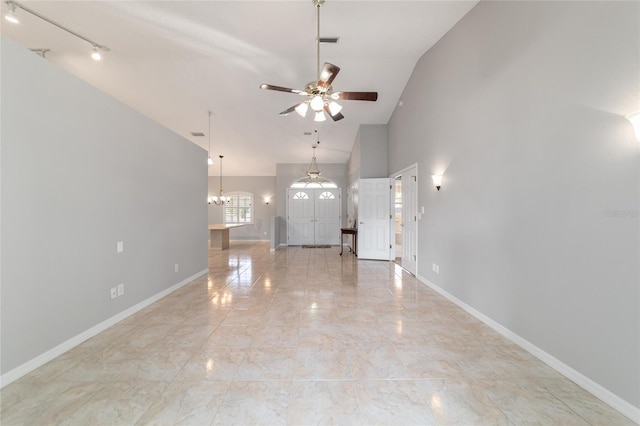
[(354, 239)]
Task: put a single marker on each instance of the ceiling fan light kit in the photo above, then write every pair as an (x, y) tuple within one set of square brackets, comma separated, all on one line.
[(320, 95)]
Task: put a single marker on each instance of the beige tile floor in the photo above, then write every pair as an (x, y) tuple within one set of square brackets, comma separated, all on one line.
[(300, 337)]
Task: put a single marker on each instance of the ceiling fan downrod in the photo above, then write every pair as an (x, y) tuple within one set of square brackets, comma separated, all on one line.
[(318, 4)]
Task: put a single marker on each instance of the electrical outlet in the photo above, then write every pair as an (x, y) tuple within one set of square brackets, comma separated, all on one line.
[(120, 289), (437, 269), (433, 267), (176, 268), (114, 293), (120, 246)]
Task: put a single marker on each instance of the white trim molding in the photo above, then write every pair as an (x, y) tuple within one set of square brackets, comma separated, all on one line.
[(586, 383), (40, 360)]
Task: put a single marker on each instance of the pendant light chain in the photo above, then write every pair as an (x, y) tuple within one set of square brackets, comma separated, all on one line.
[(220, 199), (220, 175), (209, 159)]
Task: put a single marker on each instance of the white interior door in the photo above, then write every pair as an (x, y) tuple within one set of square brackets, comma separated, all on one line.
[(327, 216), (410, 220), (374, 218), (300, 216)]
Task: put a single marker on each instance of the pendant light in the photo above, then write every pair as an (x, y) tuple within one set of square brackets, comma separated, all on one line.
[(209, 160), (220, 199), (313, 178)]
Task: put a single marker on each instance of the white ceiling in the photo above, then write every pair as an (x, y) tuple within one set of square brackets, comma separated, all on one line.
[(175, 60)]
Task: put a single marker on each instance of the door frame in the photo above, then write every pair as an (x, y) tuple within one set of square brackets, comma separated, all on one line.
[(411, 168)]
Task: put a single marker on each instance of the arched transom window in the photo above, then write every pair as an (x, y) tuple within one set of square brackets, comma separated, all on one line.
[(326, 195), (300, 196)]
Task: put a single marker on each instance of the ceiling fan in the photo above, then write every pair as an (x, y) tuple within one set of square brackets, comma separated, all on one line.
[(319, 93)]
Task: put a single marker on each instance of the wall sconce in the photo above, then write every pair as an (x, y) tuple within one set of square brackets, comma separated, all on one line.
[(634, 119), (267, 199), (437, 181)]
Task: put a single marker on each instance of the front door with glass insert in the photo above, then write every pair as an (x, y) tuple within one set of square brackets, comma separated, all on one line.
[(313, 216)]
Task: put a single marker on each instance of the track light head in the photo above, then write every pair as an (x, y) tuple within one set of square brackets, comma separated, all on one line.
[(95, 54), (11, 14)]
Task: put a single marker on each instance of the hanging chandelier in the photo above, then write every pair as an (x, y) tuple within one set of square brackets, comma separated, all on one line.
[(220, 199), (313, 177)]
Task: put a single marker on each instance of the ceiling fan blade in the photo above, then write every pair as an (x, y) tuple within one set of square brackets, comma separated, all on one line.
[(302, 111), (336, 117), (355, 96), (327, 75), (289, 110), (282, 89)]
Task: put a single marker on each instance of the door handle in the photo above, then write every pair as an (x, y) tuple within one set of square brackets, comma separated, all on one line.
[(361, 223)]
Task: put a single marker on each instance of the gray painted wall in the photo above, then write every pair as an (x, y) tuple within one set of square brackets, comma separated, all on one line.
[(368, 157), (81, 171), (287, 174), (522, 106), (260, 187), (353, 166), (373, 151)]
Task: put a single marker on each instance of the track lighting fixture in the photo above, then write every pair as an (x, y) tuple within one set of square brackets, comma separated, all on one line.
[(11, 14), (96, 54), (96, 48)]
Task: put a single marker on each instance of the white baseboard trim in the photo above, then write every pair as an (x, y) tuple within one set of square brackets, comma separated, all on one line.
[(249, 241), (586, 383), (40, 360)]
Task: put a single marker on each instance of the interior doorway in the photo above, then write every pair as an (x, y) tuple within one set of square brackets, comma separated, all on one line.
[(397, 219), (405, 211)]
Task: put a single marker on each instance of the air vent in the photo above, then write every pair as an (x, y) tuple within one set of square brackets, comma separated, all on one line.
[(332, 40), (197, 134)]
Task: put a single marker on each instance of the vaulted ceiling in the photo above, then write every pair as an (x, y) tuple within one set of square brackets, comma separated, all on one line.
[(173, 61)]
